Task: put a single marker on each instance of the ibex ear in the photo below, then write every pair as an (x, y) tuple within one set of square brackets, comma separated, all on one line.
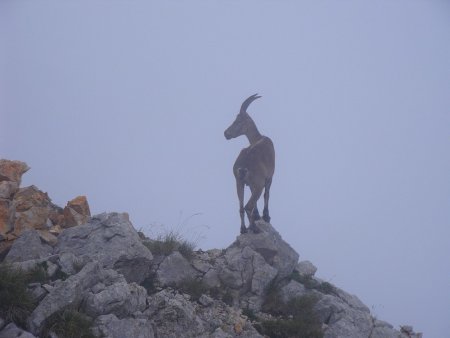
[(247, 102)]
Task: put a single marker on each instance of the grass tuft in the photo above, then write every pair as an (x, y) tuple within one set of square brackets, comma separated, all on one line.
[(172, 241), (68, 324), (16, 302)]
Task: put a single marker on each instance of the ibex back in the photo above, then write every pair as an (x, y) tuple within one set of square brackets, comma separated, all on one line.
[(254, 166)]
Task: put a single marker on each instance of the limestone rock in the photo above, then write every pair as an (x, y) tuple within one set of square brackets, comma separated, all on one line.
[(33, 210), (28, 246), (8, 189), (121, 299), (174, 315), (11, 331), (109, 326), (68, 292), (174, 269), (76, 212), (306, 269), (269, 244), (292, 290), (382, 329), (6, 216), (12, 170), (111, 240), (341, 319)]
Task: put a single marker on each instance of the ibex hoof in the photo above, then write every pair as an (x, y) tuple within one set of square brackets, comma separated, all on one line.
[(244, 230), (266, 218)]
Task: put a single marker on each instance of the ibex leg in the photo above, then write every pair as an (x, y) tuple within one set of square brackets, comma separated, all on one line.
[(251, 204), (266, 216), (240, 193)]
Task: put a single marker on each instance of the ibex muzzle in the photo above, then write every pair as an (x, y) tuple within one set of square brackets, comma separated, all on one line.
[(254, 166)]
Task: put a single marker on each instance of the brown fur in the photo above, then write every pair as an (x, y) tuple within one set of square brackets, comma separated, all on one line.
[(254, 166)]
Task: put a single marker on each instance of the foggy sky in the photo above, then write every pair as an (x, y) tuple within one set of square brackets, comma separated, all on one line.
[(126, 102)]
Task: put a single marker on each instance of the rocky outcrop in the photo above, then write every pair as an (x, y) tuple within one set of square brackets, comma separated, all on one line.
[(102, 268), (111, 240)]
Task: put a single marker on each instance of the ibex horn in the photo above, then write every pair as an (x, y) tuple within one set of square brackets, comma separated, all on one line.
[(247, 102)]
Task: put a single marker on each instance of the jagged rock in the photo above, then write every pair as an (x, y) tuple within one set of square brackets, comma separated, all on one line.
[(28, 246), (12, 170), (341, 319), (306, 269), (111, 240), (68, 292), (121, 299), (246, 271), (109, 326), (11, 331), (174, 315), (269, 244), (33, 210), (76, 212), (70, 264)]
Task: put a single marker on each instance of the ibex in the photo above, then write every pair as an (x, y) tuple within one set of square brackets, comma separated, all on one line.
[(254, 166)]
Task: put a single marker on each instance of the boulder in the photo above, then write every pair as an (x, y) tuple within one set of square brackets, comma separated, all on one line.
[(12, 170), (109, 326), (33, 210), (67, 293), (27, 247), (110, 239), (269, 244), (121, 299), (306, 269), (174, 269), (76, 212), (341, 319)]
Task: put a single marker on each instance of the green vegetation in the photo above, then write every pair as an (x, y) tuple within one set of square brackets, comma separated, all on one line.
[(16, 302), (68, 324), (170, 242), (294, 319), (311, 283), (193, 287)]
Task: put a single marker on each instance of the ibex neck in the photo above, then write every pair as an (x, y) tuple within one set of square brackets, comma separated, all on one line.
[(253, 134)]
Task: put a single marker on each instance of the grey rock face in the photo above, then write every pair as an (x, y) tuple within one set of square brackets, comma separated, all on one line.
[(341, 319), (269, 244), (111, 240), (109, 326), (11, 331), (174, 315), (121, 299), (68, 292), (27, 247), (174, 269)]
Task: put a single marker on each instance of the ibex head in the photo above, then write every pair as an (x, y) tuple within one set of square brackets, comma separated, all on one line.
[(243, 120)]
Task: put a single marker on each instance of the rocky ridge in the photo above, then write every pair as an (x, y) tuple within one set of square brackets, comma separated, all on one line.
[(127, 285)]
